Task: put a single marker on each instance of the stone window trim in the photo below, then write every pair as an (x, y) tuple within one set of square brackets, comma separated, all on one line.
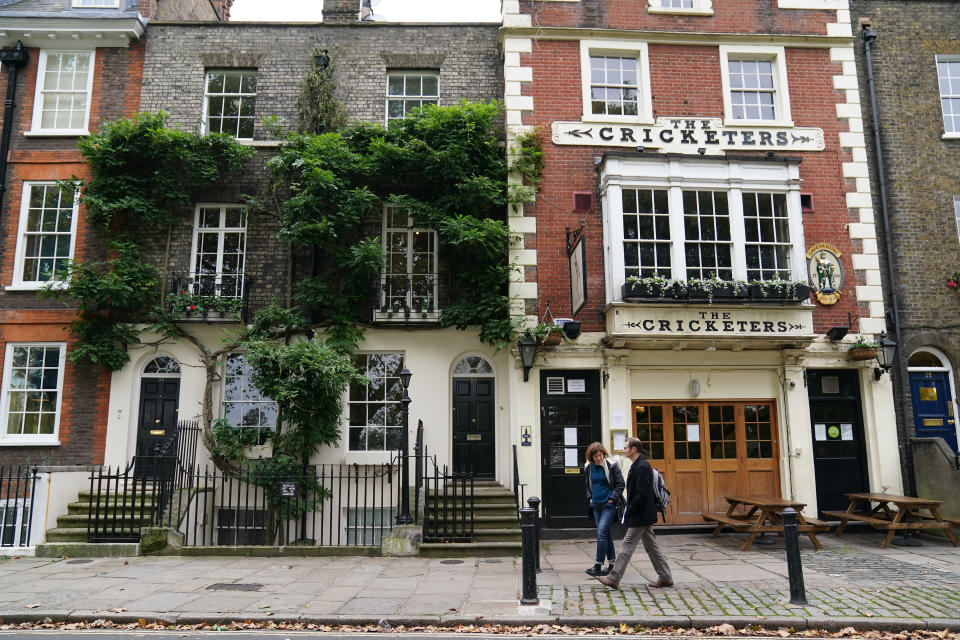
[(217, 117), (948, 80), (7, 402), (96, 4), (734, 177), (226, 277), (21, 279), (617, 48), (685, 7), (781, 94), (48, 58), (410, 88), (238, 390)]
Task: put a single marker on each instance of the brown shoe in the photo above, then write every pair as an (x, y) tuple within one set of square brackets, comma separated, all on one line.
[(613, 584), (659, 584)]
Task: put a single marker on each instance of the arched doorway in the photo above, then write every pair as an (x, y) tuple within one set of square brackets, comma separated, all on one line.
[(931, 394), (474, 418), (159, 403)]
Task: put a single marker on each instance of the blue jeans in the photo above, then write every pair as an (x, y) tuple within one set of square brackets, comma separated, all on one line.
[(604, 515)]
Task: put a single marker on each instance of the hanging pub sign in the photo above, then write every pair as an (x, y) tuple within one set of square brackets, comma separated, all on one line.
[(577, 256), (703, 136), (825, 271)]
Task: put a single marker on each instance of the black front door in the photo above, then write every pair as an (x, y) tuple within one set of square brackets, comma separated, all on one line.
[(473, 427), (159, 401), (839, 453), (569, 422)]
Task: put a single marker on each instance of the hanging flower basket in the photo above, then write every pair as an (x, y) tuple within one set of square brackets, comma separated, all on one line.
[(552, 339), (862, 353)]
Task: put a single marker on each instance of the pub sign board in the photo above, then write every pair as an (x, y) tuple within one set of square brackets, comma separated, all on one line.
[(700, 136), (658, 321)]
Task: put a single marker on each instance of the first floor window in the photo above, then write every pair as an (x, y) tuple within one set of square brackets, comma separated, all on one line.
[(767, 228), (408, 90), (231, 100), (708, 246), (220, 244), (646, 233), (410, 271), (32, 384), (752, 90), (366, 526), (244, 405), (48, 220), (613, 85), (375, 421), (64, 83), (948, 73)]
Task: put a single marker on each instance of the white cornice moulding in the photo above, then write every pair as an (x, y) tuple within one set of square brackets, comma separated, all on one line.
[(60, 33)]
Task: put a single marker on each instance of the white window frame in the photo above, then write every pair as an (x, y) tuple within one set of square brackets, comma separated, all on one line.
[(781, 93), (622, 49), (679, 175), (956, 96), (20, 254), (205, 124), (697, 8), (36, 126), (29, 439), (366, 452), (220, 231), (223, 398), (956, 213), (353, 530), (409, 72), (385, 311), (96, 4)]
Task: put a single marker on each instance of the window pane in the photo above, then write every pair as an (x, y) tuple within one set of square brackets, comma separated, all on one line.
[(48, 233)]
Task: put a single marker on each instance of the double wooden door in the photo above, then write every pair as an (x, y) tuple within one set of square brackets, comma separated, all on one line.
[(709, 450)]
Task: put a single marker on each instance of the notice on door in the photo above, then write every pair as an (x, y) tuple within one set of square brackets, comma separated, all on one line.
[(846, 431), (576, 386), (693, 433), (820, 432), (570, 436), (570, 457)]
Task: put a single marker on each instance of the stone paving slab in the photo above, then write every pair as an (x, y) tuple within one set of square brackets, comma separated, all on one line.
[(852, 579)]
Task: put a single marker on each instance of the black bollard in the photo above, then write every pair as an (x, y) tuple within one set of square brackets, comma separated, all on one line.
[(798, 593), (534, 503), (528, 528)]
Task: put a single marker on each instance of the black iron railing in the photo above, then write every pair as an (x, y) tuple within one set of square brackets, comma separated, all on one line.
[(410, 297), (448, 513), (517, 485), (209, 296), (17, 488), (322, 505)]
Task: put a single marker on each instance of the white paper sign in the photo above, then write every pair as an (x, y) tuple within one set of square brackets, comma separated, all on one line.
[(619, 420), (619, 440), (576, 386), (820, 431), (570, 436), (846, 431), (693, 433), (570, 457)]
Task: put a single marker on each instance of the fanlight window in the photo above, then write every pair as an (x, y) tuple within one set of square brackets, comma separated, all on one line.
[(473, 364), (162, 365)]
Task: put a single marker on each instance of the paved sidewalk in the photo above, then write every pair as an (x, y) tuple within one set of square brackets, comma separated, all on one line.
[(852, 581)]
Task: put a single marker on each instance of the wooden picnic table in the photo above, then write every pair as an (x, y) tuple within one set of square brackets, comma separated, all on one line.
[(895, 513), (764, 515)]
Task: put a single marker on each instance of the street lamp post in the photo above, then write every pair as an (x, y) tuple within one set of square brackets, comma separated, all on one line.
[(404, 516)]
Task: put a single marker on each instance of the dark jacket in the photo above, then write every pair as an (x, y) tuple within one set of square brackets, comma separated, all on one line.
[(641, 505), (614, 477)]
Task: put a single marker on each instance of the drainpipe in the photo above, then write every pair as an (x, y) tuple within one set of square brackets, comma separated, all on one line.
[(869, 37), (12, 59)]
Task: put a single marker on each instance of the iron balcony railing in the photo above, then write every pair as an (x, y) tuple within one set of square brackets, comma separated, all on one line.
[(410, 298), (209, 296)]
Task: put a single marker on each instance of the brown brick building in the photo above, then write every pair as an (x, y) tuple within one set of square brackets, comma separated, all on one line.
[(914, 64)]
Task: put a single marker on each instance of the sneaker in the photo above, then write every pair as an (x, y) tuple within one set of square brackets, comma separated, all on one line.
[(659, 584), (594, 571), (607, 570)]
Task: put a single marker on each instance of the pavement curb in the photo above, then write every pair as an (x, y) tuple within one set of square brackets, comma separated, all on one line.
[(699, 622)]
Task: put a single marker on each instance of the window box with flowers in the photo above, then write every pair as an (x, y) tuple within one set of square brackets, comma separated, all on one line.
[(191, 306)]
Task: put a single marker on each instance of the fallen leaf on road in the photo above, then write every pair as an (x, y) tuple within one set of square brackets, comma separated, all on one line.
[(32, 606), (118, 610), (783, 633), (725, 629)]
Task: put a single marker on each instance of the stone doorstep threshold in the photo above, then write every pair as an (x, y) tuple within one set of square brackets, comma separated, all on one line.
[(307, 551), (797, 623)]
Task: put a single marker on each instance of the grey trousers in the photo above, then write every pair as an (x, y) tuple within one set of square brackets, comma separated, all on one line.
[(630, 541)]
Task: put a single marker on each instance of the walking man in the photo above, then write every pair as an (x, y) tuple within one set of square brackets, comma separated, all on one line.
[(639, 516)]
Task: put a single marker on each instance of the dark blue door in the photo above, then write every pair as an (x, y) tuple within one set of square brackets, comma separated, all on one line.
[(933, 407)]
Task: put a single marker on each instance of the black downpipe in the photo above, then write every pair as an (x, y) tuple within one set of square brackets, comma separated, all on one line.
[(869, 36), (13, 59)]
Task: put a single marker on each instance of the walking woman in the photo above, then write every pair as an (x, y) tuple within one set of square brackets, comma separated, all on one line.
[(604, 482)]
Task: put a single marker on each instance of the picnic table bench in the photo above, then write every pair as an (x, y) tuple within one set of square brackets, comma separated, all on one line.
[(895, 513), (764, 515)]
